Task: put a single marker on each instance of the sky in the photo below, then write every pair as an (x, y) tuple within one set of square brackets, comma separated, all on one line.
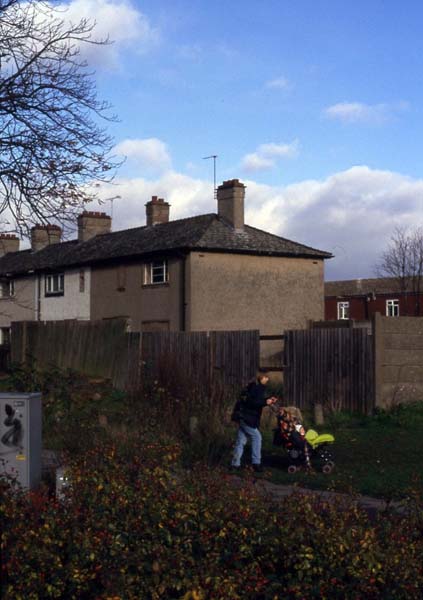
[(315, 105)]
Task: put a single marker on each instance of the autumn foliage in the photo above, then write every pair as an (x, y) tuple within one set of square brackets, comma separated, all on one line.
[(133, 525)]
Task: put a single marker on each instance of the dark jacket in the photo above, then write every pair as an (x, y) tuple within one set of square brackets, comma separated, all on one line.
[(253, 404)]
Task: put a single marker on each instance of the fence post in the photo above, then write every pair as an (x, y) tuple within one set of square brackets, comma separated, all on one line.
[(378, 347)]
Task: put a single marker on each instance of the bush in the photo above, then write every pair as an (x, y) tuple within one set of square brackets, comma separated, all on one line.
[(134, 525)]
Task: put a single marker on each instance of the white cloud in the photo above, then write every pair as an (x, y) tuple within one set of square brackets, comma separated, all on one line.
[(149, 153), (118, 20), (279, 83), (266, 156), (358, 112), (255, 162), (351, 213)]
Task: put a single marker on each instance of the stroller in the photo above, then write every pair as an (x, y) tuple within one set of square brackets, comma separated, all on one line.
[(306, 449)]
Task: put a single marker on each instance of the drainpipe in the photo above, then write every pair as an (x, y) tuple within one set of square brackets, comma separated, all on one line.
[(183, 293), (38, 297)]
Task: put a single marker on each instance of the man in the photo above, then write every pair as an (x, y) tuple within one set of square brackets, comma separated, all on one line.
[(250, 415)]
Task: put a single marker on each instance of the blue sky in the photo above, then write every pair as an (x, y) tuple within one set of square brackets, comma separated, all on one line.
[(315, 105)]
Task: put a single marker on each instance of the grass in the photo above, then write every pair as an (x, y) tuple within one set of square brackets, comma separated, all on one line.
[(379, 456)]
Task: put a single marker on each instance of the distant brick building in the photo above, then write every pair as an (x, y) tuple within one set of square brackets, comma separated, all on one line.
[(360, 299)]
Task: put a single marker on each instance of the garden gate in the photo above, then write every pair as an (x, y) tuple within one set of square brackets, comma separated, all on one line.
[(332, 367)]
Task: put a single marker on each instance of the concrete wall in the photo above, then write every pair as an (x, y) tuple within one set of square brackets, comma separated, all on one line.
[(21, 307), (118, 291), (398, 351), (74, 304), (232, 291)]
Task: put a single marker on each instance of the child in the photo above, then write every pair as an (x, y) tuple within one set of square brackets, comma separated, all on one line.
[(293, 431)]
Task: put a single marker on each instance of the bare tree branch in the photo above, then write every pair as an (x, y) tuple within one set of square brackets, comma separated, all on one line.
[(51, 142), (403, 260)]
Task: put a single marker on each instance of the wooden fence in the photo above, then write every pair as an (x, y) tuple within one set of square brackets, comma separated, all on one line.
[(333, 367), (106, 349)]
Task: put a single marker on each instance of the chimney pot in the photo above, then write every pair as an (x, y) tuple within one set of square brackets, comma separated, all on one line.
[(157, 211), (230, 203), (92, 223), (8, 243), (44, 235)]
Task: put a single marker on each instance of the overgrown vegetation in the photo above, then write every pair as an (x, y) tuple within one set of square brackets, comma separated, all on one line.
[(132, 525), (135, 523)]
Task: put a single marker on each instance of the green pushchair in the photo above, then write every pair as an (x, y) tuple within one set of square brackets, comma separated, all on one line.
[(311, 450)]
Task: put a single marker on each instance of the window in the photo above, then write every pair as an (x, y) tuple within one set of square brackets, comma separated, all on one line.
[(156, 272), (392, 308), (4, 336), (343, 310), (55, 284), (7, 288)]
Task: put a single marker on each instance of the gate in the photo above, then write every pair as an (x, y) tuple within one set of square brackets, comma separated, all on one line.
[(333, 367)]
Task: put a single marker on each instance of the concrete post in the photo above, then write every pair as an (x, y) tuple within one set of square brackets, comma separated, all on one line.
[(378, 347)]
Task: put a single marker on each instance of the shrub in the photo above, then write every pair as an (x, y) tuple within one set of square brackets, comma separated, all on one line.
[(134, 525)]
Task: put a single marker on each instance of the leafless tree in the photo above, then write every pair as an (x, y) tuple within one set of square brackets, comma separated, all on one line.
[(403, 260), (53, 150)]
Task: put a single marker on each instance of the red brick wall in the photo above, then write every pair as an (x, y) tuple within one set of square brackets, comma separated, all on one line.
[(364, 307)]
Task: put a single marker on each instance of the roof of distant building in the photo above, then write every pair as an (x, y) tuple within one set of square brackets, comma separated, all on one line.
[(362, 287)]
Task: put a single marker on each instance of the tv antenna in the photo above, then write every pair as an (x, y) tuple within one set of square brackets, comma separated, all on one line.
[(213, 156)]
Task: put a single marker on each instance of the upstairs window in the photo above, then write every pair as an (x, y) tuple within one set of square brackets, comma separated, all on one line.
[(156, 272), (55, 284), (7, 288), (392, 308), (343, 310)]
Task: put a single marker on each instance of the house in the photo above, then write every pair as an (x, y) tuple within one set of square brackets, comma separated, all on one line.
[(360, 299), (207, 272)]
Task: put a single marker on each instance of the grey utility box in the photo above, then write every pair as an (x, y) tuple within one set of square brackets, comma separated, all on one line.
[(20, 437)]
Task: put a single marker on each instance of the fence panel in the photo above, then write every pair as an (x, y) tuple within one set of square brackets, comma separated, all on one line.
[(227, 358), (105, 349), (333, 367)]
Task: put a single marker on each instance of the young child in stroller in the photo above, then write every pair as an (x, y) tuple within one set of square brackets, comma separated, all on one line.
[(300, 445)]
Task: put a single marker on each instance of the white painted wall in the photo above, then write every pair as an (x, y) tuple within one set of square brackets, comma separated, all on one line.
[(73, 304)]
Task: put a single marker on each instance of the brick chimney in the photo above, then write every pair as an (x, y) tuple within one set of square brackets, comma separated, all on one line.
[(230, 203), (8, 243), (44, 235), (93, 223), (157, 211)]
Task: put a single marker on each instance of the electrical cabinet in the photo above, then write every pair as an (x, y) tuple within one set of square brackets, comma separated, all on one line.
[(20, 437)]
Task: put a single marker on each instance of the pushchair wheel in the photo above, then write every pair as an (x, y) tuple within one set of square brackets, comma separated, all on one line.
[(328, 468), (292, 469)]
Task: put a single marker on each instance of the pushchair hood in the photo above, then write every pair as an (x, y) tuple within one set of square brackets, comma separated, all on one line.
[(315, 439)]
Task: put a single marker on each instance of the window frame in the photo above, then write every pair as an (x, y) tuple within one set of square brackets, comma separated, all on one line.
[(149, 275), (52, 290), (340, 308), (392, 303), (7, 285)]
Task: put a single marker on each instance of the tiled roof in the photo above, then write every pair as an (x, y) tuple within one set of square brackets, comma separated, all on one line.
[(360, 287), (205, 232)]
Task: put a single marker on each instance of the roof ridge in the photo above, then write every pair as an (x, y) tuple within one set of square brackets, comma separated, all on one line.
[(363, 279), (154, 226)]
